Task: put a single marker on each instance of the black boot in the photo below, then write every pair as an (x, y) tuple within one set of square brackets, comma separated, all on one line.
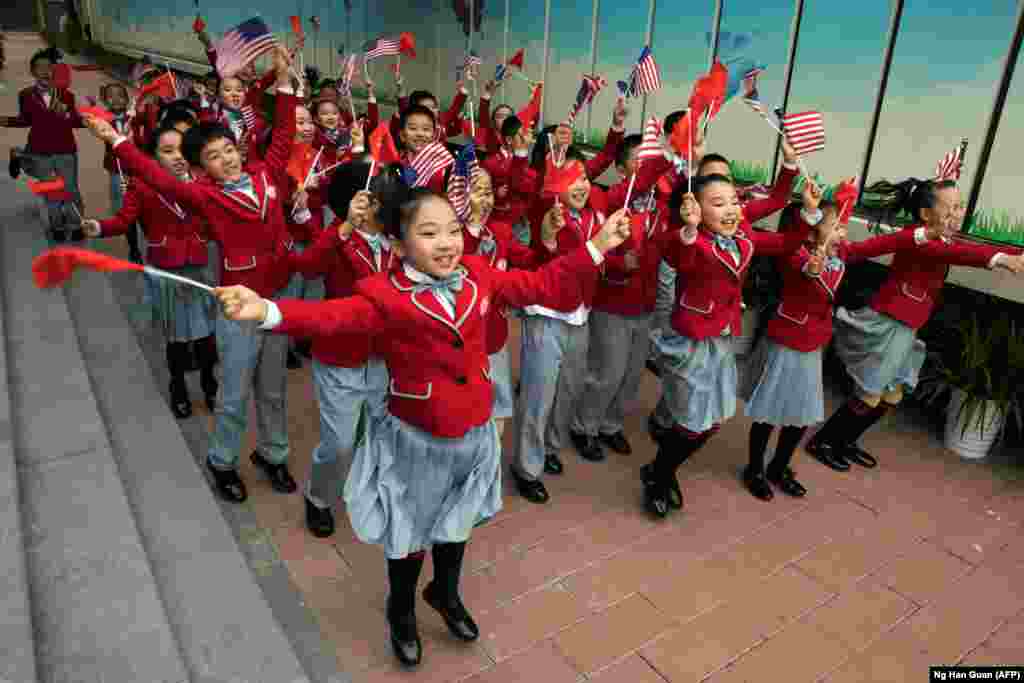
[(181, 405), (443, 592), (206, 351), (401, 610), (132, 236), (825, 445), (319, 521), (861, 423)]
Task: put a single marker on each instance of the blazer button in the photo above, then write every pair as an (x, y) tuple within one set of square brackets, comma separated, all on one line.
[(461, 379), (458, 344)]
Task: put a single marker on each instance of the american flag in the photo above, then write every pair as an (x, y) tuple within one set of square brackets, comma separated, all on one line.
[(750, 93), (646, 77), (459, 182), (348, 73), (249, 116), (650, 145), (242, 44), (949, 166), (431, 159), (805, 131), (382, 47), (500, 72), (471, 65), (588, 90)]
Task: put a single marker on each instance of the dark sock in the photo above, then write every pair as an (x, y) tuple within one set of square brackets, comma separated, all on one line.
[(760, 433), (681, 445), (176, 362), (448, 568), (206, 351), (864, 421), (402, 577), (789, 439), (833, 432)]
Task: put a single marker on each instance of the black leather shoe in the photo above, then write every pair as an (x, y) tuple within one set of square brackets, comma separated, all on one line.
[(454, 613), (827, 455), (855, 454), (656, 498), (280, 478), (181, 406), (319, 521), (656, 431), (675, 494), (14, 165), (787, 483), (293, 362), (653, 368), (587, 446), (77, 235), (532, 490), (59, 235), (553, 464), (757, 485), (405, 638), (617, 442), (228, 484)]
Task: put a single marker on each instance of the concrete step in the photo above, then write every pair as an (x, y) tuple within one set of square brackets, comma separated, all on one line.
[(225, 627), (96, 611), (17, 653)]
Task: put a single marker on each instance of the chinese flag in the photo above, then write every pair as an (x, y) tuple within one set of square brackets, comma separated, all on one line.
[(680, 137), (558, 180), (845, 196), (407, 44), (300, 162), (162, 86), (198, 25), (517, 59), (382, 145), (61, 76), (297, 26), (96, 112)]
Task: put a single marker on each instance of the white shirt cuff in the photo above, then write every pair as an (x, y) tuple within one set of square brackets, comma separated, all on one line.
[(358, 150), (463, 91), (688, 234), (995, 260), (812, 218), (522, 153), (371, 99), (117, 141), (920, 236), (595, 254), (273, 318)]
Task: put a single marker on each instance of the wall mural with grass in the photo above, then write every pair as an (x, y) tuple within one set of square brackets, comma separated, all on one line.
[(947, 63)]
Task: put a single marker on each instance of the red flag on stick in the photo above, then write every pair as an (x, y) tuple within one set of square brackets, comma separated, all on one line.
[(60, 77), (54, 267), (558, 179), (680, 137), (45, 187), (845, 197), (297, 27), (407, 45), (96, 112), (198, 25), (517, 59), (163, 86), (382, 146)]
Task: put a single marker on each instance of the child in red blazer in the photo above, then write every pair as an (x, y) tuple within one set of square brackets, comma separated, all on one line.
[(431, 469), (242, 205), (418, 128), (698, 366), (347, 373), (878, 343), (50, 115), (176, 241), (783, 386), (489, 137), (448, 123)]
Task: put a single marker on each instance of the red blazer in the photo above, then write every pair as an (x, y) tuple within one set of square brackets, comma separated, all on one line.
[(502, 251), (803, 320), (916, 277), (48, 131), (574, 235), (633, 292), (372, 116), (440, 373), (709, 299), (125, 128), (342, 263), (449, 123), (253, 238), (487, 139), (173, 237)]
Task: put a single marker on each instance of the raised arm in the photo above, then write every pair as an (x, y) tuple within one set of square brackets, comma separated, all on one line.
[(350, 315), (123, 220), (191, 195), (757, 209), (904, 240), (450, 120), (319, 258)]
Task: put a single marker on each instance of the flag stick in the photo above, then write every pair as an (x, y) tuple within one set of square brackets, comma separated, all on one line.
[(629, 190), (329, 169), (799, 159), (77, 212), (309, 174), (156, 272), (472, 118), (689, 144), (352, 104), (373, 165)]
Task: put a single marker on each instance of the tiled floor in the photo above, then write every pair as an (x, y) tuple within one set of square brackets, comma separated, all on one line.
[(873, 577)]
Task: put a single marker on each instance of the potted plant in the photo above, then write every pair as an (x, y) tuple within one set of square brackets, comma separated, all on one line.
[(981, 376)]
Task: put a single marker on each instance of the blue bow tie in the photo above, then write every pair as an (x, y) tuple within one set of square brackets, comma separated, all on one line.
[(445, 287), (726, 243), (244, 184), (833, 263), (576, 215), (486, 245), (376, 244), (679, 163)]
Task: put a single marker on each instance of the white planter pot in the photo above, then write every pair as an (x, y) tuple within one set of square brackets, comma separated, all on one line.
[(975, 443), (744, 342)]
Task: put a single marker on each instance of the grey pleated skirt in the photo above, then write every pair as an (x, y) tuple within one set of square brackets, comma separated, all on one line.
[(880, 353), (698, 379), (182, 312), (408, 490), (783, 386), (501, 378)]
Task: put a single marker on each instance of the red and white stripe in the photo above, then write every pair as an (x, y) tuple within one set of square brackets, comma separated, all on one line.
[(236, 51), (650, 145), (431, 159), (385, 47), (805, 131), (949, 166), (648, 76)]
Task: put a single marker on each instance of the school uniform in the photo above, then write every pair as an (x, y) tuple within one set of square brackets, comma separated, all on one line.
[(495, 243), (246, 220), (347, 373), (372, 116), (487, 139), (448, 123), (432, 469), (439, 180), (51, 149)]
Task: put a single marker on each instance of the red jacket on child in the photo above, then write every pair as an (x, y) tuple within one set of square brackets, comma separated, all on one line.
[(49, 132)]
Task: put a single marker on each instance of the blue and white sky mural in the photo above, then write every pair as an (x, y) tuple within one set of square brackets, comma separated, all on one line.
[(947, 62)]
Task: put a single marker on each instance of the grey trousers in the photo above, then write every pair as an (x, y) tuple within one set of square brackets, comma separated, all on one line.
[(618, 350), (552, 367)]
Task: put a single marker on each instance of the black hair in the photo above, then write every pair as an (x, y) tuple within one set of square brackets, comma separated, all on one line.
[(412, 110), (788, 217), (709, 159), (312, 77), (626, 147), (675, 200), (105, 89), (417, 96), (154, 140), (671, 120), (51, 53), (511, 126), (198, 137), (541, 148), (494, 113), (320, 102), (920, 194), (177, 106), (400, 203), (704, 181)]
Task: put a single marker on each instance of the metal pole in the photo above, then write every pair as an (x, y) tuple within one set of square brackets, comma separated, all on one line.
[(547, 54), (883, 82), (794, 39), (995, 116), (504, 45), (648, 41), (716, 26), (593, 63)]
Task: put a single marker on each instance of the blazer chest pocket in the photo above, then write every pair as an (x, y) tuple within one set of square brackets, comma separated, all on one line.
[(696, 307), (914, 293), (417, 391), (798, 319)]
